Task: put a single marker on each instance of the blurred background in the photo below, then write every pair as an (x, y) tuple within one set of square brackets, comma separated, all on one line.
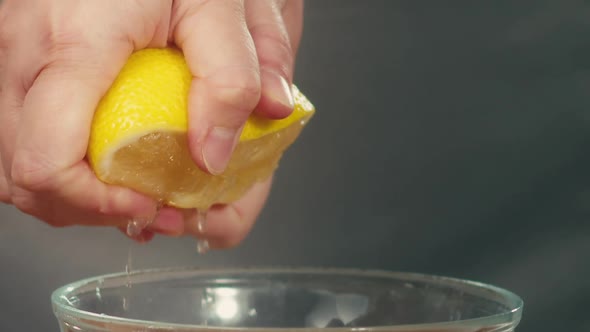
[(451, 138)]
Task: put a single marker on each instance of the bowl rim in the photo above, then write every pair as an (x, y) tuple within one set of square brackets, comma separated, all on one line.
[(62, 305)]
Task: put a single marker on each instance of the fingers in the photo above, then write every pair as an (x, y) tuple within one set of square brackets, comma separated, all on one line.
[(60, 104), (55, 212), (170, 222), (226, 45), (275, 57), (227, 225), (226, 86), (69, 201), (52, 138), (241, 57)]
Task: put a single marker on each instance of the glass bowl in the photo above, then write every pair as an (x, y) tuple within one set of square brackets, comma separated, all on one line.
[(273, 299)]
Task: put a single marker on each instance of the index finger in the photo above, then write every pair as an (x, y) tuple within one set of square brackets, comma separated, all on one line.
[(226, 87)]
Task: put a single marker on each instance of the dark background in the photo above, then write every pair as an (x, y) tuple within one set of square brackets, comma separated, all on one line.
[(451, 137)]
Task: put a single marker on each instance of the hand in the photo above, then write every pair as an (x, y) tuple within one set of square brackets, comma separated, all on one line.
[(59, 58)]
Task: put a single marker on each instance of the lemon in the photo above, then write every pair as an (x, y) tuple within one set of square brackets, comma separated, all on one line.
[(138, 136)]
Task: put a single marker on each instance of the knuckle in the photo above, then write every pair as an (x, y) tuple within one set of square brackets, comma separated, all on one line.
[(184, 12), (60, 37), (272, 44), (8, 25), (239, 88), (108, 205), (8, 36), (63, 44), (144, 20), (30, 173)]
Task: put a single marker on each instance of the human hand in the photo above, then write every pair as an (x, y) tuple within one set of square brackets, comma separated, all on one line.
[(59, 58)]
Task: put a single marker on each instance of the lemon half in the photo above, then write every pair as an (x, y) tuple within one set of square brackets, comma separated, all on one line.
[(138, 136)]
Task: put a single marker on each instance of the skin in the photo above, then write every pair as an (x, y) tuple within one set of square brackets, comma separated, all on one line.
[(57, 58)]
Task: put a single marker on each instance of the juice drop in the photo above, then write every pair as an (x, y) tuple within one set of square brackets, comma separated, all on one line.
[(196, 221), (202, 246), (133, 230), (201, 220), (128, 268), (125, 303), (134, 227)]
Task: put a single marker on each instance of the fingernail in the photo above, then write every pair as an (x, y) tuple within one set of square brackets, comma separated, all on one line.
[(218, 148), (276, 87)]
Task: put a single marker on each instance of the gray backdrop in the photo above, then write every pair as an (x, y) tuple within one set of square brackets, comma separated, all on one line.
[(451, 138)]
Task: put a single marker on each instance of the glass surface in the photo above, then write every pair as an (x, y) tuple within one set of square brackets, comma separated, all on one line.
[(192, 299)]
